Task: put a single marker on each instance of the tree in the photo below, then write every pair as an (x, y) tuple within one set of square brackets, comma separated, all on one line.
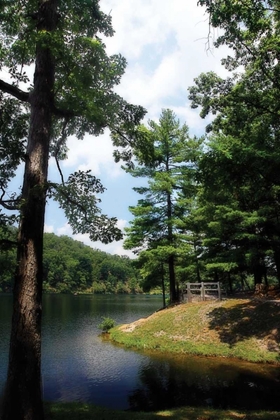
[(71, 94), (242, 161), (164, 161), (154, 268)]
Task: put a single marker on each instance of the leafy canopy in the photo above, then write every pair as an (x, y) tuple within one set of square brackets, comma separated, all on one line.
[(84, 100)]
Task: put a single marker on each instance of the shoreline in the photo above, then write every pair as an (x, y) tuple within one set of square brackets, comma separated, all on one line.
[(244, 329)]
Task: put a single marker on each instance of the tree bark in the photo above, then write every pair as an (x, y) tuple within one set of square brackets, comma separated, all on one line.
[(257, 273), (23, 394)]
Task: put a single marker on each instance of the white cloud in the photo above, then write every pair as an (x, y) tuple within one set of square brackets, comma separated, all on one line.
[(48, 229), (165, 44), (94, 153), (166, 47), (136, 30)]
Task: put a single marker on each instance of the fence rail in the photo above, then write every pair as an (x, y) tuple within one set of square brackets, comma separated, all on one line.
[(205, 290)]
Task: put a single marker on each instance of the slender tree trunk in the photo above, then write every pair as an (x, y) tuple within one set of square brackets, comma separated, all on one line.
[(229, 282), (172, 281), (174, 296), (265, 275), (277, 263), (23, 397), (242, 282), (198, 277), (163, 286), (258, 273)]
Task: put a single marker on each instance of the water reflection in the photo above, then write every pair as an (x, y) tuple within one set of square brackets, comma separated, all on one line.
[(195, 381)]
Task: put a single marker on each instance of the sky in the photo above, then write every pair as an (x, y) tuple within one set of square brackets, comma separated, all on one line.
[(165, 45)]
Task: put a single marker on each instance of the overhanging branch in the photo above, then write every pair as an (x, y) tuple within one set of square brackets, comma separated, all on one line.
[(24, 97), (10, 204), (14, 91), (63, 113), (6, 244)]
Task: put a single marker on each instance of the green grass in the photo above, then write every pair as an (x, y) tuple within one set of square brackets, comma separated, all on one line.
[(238, 328), (78, 411)]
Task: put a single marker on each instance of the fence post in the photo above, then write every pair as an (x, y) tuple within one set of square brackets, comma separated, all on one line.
[(189, 295), (202, 291)]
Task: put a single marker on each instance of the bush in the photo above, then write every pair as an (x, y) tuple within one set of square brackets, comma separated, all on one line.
[(106, 324)]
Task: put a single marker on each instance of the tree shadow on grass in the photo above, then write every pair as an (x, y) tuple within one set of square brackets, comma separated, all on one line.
[(247, 320)]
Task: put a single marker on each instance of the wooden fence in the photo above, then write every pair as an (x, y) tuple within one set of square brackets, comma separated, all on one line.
[(203, 290)]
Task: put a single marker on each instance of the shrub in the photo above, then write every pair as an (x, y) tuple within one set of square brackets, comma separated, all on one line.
[(106, 324)]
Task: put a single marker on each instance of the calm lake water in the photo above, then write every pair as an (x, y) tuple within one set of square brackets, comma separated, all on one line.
[(77, 365)]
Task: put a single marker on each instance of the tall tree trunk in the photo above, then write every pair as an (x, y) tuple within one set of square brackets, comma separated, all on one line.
[(22, 397), (277, 262), (172, 281), (229, 282), (163, 286), (174, 296), (265, 275), (257, 273), (198, 277)]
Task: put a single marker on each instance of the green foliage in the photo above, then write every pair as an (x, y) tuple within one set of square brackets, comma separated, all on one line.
[(167, 164), (106, 324), (238, 202), (72, 267), (82, 100), (85, 216)]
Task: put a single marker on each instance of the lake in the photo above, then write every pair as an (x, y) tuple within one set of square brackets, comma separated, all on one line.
[(78, 365)]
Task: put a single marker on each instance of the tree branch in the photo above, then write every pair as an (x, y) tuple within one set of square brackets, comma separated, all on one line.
[(14, 91), (59, 143), (70, 200), (9, 204), (24, 97), (6, 244), (62, 113)]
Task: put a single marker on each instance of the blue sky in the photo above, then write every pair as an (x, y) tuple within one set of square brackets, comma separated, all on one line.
[(164, 43)]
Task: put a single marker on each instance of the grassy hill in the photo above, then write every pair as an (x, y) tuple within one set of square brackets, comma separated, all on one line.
[(248, 329)]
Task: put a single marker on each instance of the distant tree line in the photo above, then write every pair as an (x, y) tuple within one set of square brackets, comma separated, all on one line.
[(72, 267)]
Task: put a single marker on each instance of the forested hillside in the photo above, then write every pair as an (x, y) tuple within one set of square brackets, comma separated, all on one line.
[(72, 267)]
